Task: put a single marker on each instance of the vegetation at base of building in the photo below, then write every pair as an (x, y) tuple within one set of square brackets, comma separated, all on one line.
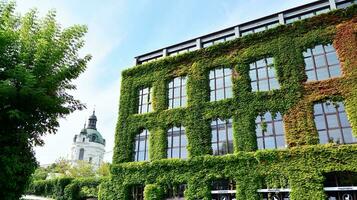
[(63, 168), (66, 188), (300, 167), (38, 61)]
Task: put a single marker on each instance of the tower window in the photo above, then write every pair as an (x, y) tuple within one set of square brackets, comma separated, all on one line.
[(220, 84), (270, 131), (262, 75), (141, 148), (177, 142), (81, 154), (145, 100), (321, 63), (222, 137), (177, 92), (83, 139), (332, 123), (90, 160)]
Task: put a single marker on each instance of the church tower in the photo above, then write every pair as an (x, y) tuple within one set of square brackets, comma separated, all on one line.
[(89, 145)]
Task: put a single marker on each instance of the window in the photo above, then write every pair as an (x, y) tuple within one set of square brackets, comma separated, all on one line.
[(220, 83), (321, 63), (90, 160), (332, 123), (177, 142), (84, 139), (81, 154), (270, 131), (177, 92), (222, 137), (94, 138), (262, 75), (175, 192), (141, 151), (223, 189), (137, 192), (338, 185), (144, 100)]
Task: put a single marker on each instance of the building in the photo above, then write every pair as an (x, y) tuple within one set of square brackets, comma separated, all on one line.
[(89, 145), (263, 110)]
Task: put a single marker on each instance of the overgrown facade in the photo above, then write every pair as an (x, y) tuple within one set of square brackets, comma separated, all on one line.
[(270, 115)]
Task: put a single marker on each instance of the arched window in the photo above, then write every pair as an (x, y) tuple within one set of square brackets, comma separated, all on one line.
[(93, 138), (83, 139), (81, 154), (141, 146)]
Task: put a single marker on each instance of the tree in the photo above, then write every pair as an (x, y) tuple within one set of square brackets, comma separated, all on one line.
[(38, 61), (104, 169), (81, 169)]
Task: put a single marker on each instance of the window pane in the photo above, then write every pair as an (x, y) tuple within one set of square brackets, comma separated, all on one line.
[(263, 85), (274, 84), (323, 137), (253, 75), (317, 50), (320, 122), (311, 75), (332, 121), (344, 120), (280, 141), (335, 71), (308, 63), (320, 61), (227, 81), (332, 58), (262, 73), (269, 143), (322, 74), (219, 72)]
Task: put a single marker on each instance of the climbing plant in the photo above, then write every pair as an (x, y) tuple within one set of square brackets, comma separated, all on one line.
[(300, 166)]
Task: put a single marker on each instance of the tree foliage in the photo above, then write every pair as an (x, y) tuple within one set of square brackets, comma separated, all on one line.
[(38, 61)]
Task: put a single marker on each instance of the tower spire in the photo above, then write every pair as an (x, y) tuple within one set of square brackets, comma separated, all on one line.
[(92, 121)]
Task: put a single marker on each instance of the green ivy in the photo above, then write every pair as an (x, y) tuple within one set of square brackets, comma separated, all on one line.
[(300, 167)]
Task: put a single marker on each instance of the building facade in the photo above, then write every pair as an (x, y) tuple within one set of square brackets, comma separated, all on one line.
[(88, 145), (269, 114)]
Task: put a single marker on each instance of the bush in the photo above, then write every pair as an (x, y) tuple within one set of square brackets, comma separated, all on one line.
[(66, 188)]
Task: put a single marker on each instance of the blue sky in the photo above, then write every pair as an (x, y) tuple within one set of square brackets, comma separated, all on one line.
[(119, 30)]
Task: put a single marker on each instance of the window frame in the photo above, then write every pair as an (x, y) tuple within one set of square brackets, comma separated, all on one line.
[(170, 142), (338, 113), (309, 54), (213, 79), (182, 95), (148, 101), (270, 75), (137, 141), (228, 123), (263, 136)]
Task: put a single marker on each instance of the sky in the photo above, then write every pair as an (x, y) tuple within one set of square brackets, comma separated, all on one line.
[(119, 30)]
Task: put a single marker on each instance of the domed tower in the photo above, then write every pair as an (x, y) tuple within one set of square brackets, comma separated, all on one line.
[(89, 145)]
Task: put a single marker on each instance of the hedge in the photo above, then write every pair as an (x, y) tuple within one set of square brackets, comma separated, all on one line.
[(66, 188), (300, 166)]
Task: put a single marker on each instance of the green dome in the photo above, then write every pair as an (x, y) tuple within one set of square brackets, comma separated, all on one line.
[(95, 136)]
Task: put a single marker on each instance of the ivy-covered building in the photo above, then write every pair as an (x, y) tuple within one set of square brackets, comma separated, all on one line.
[(263, 110)]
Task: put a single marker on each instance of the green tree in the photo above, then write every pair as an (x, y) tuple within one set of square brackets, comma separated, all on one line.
[(81, 169), (38, 61), (104, 169)]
